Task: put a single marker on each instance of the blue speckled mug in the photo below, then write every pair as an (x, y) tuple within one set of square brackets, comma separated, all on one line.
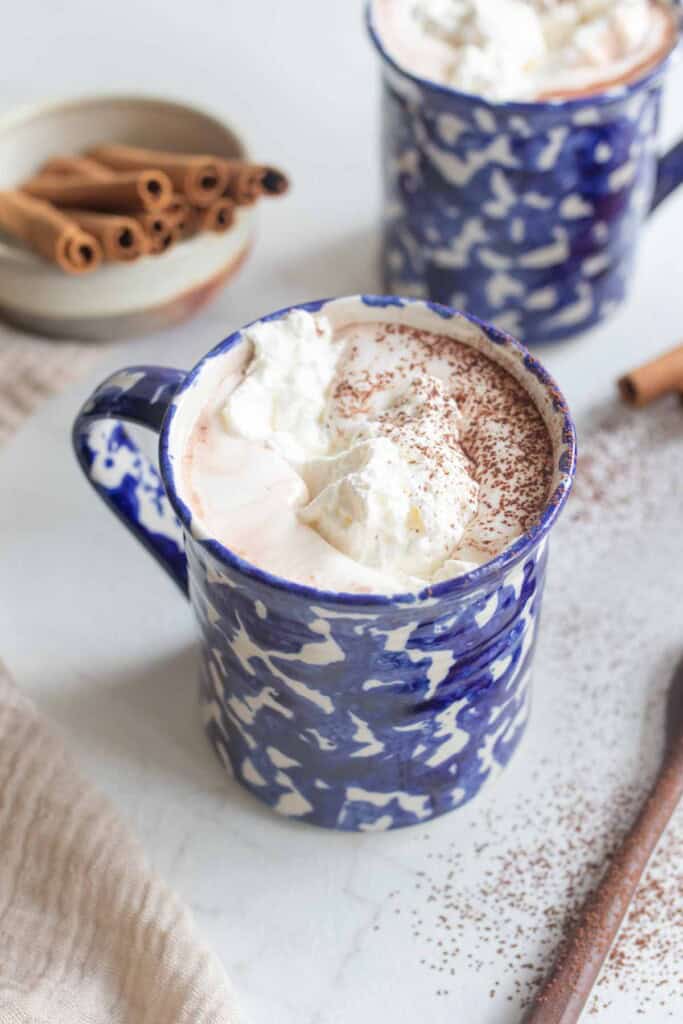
[(527, 214), (344, 710)]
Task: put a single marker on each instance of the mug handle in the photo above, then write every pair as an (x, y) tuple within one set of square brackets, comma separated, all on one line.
[(121, 474), (669, 174)]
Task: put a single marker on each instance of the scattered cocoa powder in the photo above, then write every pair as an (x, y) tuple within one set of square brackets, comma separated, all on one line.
[(498, 884)]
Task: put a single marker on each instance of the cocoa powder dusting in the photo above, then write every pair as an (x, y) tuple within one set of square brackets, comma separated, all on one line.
[(497, 885), (500, 429)]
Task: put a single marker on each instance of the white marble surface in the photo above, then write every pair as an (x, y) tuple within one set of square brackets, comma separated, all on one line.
[(319, 928)]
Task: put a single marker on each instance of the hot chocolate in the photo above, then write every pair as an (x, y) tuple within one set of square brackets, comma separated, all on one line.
[(375, 458), (526, 49)]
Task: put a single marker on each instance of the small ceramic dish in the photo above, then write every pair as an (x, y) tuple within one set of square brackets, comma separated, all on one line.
[(116, 300)]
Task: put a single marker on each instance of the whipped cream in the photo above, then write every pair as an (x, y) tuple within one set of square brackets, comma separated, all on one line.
[(281, 400), (394, 492), (525, 49), (400, 492)]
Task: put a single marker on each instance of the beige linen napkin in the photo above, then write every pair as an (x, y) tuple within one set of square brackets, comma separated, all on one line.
[(32, 370), (88, 935)]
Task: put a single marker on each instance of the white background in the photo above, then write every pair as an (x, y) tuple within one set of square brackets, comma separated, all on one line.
[(96, 633)]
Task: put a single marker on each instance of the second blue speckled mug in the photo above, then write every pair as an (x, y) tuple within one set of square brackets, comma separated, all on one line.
[(527, 214), (344, 710)]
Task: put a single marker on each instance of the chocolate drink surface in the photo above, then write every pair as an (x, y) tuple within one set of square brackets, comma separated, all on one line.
[(375, 458), (527, 49)]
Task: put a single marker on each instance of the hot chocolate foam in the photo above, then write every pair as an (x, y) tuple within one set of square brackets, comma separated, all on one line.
[(526, 49), (376, 458)]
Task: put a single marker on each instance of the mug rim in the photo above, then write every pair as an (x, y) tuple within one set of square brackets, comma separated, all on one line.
[(528, 107), (565, 464)]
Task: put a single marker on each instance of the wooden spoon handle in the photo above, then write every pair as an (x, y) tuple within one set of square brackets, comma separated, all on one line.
[(566, 991)]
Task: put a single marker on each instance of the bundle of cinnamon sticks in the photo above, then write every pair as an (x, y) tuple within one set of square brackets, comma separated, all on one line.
[(116, 203)]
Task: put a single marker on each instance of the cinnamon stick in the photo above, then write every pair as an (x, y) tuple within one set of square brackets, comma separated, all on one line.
[(162, 243), (120, 193), (201, 179), (656, 378), (248, 182), (161, 230), (123, 239), (158, 223), (79, 165), (218, 217), (178, 207), (184, 216), (191, 223), (49, 232)]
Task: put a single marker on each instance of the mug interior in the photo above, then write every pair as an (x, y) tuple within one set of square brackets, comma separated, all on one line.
[(233, 354)]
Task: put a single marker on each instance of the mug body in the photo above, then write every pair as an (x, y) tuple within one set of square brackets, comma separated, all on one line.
[(360, 717), (527, 214), (364, 712)]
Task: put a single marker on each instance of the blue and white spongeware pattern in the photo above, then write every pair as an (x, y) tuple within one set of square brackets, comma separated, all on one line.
[(527, 214), (349, 711)]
